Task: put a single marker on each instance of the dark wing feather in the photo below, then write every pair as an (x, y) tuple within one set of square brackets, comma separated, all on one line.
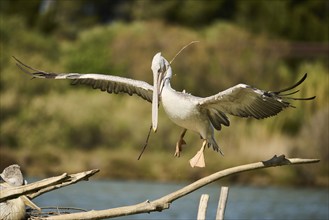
[(245, 101), (108, 83)]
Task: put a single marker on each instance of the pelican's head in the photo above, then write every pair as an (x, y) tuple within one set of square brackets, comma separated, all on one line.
[(157, 63), (12, 175), (161, 69), (14, 208)]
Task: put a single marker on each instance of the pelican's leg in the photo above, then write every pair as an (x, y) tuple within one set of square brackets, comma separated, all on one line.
[(180, 143), (198, 159)]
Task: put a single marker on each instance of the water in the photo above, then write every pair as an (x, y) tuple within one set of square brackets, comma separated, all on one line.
[(243, 202)]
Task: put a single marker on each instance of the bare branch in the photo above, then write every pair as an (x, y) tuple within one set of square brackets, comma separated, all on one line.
[(37, 188), (14, 192), (203, 207), (222, 203), (71, 179), (165, 201)]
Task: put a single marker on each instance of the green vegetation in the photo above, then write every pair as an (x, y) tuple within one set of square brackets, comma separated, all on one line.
[(298, 20), (51, 127)]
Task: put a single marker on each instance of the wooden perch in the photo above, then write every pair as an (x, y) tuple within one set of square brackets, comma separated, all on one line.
[(203, 207), (37, 188), (222, 203), (165, 201)]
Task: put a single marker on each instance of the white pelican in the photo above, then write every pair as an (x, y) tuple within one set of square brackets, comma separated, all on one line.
[(14, 208), (201, 115)]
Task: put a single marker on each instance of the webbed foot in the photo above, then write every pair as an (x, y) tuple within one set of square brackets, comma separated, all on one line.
[(198, 159)]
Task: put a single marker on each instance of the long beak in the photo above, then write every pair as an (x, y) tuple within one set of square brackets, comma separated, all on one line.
[(29, 203), (155, 102)]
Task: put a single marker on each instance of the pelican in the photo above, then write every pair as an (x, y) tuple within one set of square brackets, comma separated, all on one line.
[(14, 208), (201, 115)]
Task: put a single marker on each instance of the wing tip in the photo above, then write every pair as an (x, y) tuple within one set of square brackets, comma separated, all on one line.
[(293, 86)]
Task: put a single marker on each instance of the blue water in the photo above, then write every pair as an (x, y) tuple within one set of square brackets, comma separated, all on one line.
[(243, 202)]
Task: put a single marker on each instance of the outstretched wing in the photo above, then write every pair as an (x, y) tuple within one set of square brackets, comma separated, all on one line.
[(108, 83), (245, 101)]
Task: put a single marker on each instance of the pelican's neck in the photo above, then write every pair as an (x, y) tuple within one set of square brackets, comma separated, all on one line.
[(165, 85), (167, 82), (167, 78), (168, 74)]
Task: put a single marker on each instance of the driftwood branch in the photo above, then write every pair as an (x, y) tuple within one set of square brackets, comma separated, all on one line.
[(165, 201), (35, 189), (71, 179), (203, 207), (222, 203)]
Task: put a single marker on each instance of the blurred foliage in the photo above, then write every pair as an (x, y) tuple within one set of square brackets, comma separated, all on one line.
[(304, 20), (290, 19), (44, 124)]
